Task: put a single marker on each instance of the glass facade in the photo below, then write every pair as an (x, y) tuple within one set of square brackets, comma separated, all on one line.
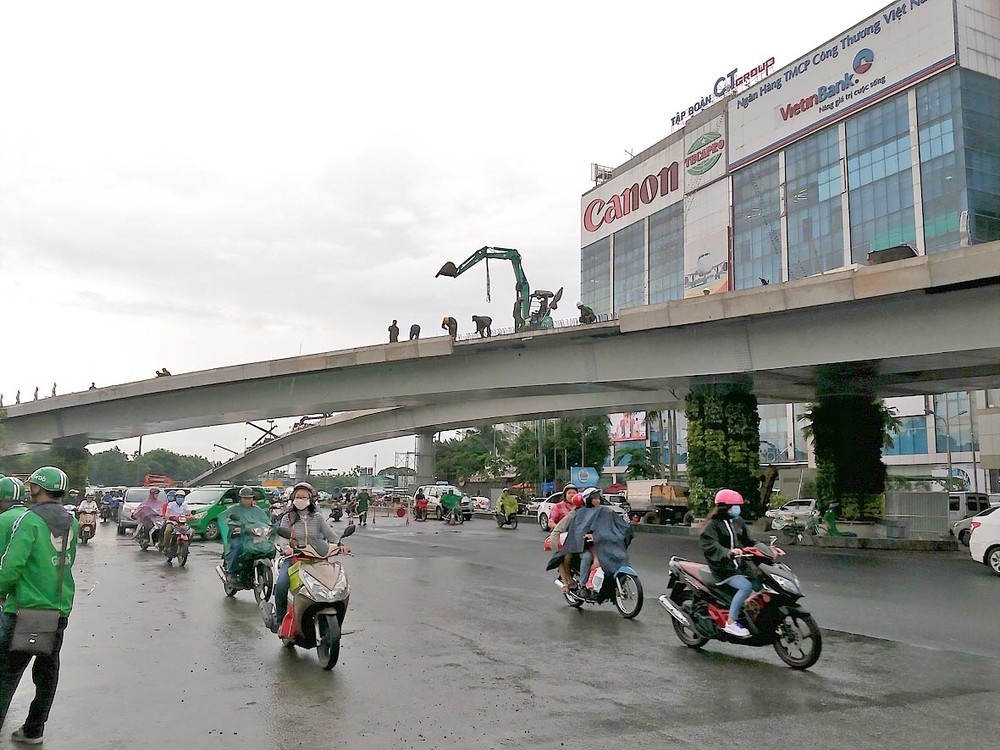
[(630, 266), (813, 204), (774, 445), (666, 254), (757, 224), (595, 276), (879, 178), (911, 439), (981, 138), (953, 422), (942, 181)]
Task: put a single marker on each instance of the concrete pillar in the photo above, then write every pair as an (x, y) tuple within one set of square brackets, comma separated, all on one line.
[(426, 448), (302, 469)]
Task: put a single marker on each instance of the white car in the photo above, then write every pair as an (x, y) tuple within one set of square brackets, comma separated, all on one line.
[(963, 529), (545, 508), (984, 543), (800, 510)]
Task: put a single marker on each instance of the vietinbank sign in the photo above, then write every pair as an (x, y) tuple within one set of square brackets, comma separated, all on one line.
[(896, 48)]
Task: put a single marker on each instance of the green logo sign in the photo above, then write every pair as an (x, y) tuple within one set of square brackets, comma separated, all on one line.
[(704, 153)]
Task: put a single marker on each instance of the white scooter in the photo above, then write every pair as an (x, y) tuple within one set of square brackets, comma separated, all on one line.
[(317, 601)]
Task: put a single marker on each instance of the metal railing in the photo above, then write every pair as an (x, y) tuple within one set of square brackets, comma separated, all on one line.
[(556, 324)]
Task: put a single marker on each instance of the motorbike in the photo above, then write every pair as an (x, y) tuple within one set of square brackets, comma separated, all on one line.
[(180, 542), (503, 519), (317, 602), (151, 535), (793, 530), (336, 513), (624, 588), (254, 571), (88, 526), (420, 510), (698, 607), (107, 512)]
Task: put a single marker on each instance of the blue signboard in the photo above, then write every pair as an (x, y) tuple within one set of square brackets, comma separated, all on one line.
[(584, 476)]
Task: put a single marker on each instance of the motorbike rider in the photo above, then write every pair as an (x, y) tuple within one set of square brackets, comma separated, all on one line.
[(236, 519), (420, 502), (507, 504), (148, 511), (74, 497), (89, 505), (12, 494), (175, 510), (554, 542), (301, 525), (564, 507), (724, 537)]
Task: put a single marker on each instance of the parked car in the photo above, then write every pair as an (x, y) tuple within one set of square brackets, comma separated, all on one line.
[(211, 501), (984, 542), (800, 510), (433, 493), (482, 503), (963, 528)]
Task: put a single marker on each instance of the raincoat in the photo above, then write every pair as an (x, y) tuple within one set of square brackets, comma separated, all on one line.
[(612, 535), (246, 519), (507, 504), (148, 510)]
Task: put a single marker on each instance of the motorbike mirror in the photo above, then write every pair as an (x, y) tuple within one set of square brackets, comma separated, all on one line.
[(348, 531)]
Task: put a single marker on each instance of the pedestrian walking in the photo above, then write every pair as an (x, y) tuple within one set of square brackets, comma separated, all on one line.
[(53, 389), (364, 500), (414, 332), (17, 397), (36, 578), (483, 325), (393, 333), (36, 393)]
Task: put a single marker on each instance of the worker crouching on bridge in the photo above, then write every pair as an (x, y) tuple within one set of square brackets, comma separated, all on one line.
[(484, 325), (451, 325)]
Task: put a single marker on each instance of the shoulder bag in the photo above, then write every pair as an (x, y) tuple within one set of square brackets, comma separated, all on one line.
[(35, 629)]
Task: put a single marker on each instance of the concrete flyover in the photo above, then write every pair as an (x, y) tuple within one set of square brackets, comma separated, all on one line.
[(929, 325)]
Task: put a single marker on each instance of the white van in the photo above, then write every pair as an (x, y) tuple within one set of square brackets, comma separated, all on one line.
[(964, 504)]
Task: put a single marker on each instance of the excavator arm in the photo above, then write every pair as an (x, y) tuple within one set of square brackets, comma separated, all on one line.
[(522, 305)]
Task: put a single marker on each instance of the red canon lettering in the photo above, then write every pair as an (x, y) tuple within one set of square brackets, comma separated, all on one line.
[(599, 212)]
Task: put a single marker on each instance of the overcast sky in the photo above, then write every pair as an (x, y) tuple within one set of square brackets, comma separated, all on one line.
[(200, 184)]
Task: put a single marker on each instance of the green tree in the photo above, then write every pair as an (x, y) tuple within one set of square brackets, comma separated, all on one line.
[(111, 468), (472, 453), (562, 442), (643, 463)]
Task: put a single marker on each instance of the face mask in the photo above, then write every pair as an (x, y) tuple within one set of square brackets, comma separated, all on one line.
[(734, 511), (300, 504)]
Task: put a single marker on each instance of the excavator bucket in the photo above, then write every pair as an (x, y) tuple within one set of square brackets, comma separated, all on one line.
[(448, 269)]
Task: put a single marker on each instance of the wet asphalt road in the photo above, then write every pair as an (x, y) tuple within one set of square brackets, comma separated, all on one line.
[(456, 638)]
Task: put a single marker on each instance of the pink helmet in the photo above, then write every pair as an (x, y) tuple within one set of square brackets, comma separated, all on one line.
[(728, 497)]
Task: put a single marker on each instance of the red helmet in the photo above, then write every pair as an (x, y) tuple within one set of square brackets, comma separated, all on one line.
[(578, 500), (728, 497)]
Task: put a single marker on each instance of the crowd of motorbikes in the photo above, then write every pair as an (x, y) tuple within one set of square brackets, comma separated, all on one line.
[(319, 593)]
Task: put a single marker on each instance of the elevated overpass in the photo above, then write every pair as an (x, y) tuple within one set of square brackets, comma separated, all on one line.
[(927, 324)]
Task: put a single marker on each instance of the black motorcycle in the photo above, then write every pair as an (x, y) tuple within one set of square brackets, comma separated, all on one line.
[(503, 519), (107, 512), (336, 513), (699, 607)]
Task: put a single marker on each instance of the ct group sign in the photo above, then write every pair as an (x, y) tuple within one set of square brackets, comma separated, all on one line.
[(894, 49)]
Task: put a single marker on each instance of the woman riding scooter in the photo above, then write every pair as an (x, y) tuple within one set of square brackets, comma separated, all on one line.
[(301, 525)]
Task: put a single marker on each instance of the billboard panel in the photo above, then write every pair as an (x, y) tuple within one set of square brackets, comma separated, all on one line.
[(904, 43), (705, 153), (629, 425), (706, 241), (644, 189)]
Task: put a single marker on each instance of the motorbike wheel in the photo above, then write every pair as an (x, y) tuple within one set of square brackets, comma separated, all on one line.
[(690, 638), (798, 641), (230, 590), (144, 543), (573, 601), (513, 521), (182, 552), (84, 539), (327, 640), (263, 582), (500, 520), (628, 595)]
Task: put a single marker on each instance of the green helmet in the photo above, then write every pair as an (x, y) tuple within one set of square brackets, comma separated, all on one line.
[(11, 490), (50, 479)]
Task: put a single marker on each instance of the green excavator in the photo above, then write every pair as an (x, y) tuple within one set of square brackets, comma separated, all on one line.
[(524, 316)]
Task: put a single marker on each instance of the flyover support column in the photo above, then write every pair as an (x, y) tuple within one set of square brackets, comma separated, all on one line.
[(302, 469), (426, 449)]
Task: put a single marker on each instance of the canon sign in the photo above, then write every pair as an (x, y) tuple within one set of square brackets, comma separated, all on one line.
[(600, 212)]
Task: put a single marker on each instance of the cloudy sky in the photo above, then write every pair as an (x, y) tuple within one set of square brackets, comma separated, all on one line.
[(200, 184)]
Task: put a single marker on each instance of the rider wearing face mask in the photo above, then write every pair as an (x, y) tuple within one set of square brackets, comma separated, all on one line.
[(724, 536), (301, 525)]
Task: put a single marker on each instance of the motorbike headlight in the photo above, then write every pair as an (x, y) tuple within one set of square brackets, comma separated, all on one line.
[(320, 593)]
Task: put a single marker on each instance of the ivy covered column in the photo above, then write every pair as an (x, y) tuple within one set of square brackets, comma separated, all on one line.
[(849, 426), (723, 445)]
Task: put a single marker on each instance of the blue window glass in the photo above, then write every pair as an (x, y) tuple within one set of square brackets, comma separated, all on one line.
[(666, 254), (942, 179), (813, 201), (981, 141), (756, 224), (630, 266), (595, 276), (879, 179), (911, 439)]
